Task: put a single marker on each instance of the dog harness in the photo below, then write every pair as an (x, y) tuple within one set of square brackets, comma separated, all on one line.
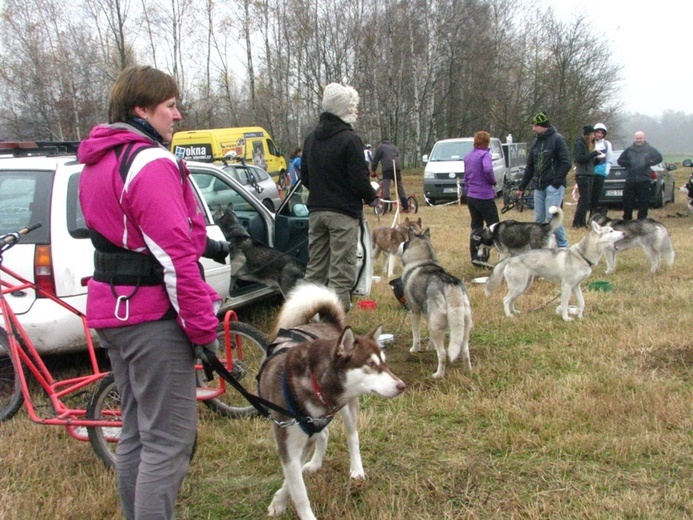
[(309, 425)]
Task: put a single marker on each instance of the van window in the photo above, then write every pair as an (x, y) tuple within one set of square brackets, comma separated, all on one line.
[(273, 150), (451, 151), (25, 198), (496, 147)]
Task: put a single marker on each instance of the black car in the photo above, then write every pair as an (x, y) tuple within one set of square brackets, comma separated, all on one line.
[(662, 188)]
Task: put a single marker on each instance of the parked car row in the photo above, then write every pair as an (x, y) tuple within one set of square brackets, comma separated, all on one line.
[(444, 173)]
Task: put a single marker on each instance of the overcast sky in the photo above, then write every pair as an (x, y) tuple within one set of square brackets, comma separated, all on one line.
[(652, 42)]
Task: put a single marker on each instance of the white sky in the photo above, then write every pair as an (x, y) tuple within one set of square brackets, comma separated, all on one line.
[(652, 41)]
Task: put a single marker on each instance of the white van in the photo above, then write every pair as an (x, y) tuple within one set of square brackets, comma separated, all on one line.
[(444, 171)]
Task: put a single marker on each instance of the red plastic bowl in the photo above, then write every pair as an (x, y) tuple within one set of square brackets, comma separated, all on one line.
[(368, 305)]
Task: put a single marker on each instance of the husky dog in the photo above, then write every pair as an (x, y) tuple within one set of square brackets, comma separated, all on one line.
[(568, 267), (387, 240), (254, 261), (443, 298), (647, 233), (314, 370), (511, 236)]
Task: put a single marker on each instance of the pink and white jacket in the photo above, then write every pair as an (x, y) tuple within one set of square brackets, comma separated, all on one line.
[(155, 209)]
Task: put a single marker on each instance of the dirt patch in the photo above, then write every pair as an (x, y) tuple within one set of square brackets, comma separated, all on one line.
[(675, 359)]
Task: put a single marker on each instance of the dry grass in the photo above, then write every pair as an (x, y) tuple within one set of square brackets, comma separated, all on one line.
[(589, 419)]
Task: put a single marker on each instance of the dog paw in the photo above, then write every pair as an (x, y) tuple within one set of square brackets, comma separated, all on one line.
[(311, 467), (438, 375), (358, 474), (415, 348), (276, 509), (567, 318)]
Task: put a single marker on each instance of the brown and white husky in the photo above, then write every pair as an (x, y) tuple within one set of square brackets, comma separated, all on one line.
[(314, 370)]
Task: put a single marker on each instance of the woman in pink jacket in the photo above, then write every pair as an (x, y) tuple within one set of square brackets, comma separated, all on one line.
[(147, 300)]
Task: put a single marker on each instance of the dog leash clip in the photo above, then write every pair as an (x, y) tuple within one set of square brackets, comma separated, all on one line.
[(119, 305)]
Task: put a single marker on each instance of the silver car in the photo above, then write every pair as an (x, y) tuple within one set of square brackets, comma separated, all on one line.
[(258, 182)]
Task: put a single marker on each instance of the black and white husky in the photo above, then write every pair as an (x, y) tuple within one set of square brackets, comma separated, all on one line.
[(314, 370), (254, 261), (647, 233), (511, 237)]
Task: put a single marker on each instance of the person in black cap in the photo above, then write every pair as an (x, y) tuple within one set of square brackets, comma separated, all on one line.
[(585, 155), (548, 163)]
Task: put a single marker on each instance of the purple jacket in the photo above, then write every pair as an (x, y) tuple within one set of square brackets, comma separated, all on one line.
[(156, 210), (479, 179)]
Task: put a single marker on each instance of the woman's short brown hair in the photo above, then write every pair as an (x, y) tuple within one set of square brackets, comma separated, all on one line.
[(139, 86), (482, 139)]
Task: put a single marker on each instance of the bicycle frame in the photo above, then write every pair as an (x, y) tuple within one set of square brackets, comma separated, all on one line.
[(24, 354)]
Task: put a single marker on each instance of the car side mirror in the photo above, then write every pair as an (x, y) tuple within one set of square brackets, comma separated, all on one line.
[(495, 156), (424, 158)]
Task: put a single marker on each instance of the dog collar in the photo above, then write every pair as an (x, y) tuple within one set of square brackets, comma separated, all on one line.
[(589, 262), (318, 392)]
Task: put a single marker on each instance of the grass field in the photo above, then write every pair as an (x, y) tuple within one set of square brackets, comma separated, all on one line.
[(588, 419)]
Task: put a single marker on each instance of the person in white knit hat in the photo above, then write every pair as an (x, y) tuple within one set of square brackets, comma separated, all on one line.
[(334, 169)]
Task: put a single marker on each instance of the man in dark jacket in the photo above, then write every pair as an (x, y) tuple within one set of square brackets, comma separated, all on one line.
[(548, 163), (334, 169), (387, 155), (638, 159)]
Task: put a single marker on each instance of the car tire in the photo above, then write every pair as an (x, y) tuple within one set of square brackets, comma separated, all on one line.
[(268, 204), (659, 198)]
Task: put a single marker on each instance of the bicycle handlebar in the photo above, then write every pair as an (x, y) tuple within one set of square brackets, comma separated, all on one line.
[(14, 237)]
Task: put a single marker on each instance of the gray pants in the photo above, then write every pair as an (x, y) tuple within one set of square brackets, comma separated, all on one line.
[(332, 240), (154, 370)]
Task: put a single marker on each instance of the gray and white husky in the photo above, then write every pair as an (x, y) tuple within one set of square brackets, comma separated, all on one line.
[(254, 261), (647, 233), (431, 291), (568, 267), (314, 370)]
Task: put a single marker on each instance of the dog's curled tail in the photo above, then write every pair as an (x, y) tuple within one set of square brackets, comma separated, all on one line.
[(556, 218), (496, 276), (305, 301)]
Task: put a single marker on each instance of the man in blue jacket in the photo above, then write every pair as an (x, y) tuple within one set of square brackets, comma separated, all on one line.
[(548, 163), (638, 159)]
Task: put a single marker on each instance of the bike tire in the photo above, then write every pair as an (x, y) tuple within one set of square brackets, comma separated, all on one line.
[(413, 204), (104, 405), (11, 397), (253, 345), (282, 181)]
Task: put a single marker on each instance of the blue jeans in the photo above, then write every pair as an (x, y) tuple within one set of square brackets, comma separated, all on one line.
[(543, 200)]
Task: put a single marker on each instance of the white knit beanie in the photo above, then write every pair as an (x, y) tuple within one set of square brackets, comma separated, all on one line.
[(341, 101)]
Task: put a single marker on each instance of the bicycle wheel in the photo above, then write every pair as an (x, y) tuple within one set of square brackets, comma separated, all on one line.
[(11, 397), (413, 204), (282, 181), (249, 349), (104, 405)]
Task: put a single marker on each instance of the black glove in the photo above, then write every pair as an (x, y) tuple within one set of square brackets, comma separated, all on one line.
[(201, 355), (217, 250), (375, 202)]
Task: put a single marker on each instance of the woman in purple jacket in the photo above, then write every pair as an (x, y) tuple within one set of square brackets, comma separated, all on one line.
[(147, 300), (480, 182)]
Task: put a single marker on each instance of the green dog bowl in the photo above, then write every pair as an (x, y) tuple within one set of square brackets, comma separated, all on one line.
[(600, 285)]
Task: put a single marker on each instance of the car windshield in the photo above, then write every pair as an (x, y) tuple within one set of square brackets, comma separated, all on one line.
[(451, 151)]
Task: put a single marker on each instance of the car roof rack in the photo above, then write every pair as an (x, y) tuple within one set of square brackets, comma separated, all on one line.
[(38, 148)]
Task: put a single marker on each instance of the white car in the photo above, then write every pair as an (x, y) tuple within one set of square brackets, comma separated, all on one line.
[(39, 185)]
